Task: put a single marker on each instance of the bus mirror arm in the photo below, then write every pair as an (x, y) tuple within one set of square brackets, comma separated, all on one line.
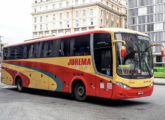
[(162, 49), (123, 47), (119, 41)]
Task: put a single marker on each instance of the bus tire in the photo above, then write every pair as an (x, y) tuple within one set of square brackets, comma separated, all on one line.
[(80, 91), (19, 85)]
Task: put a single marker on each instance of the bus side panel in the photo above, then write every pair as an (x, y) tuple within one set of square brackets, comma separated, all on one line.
[(6, 77), (104, 88)]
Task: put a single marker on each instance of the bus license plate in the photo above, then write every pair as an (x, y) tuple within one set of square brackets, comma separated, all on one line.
[(140, 93)]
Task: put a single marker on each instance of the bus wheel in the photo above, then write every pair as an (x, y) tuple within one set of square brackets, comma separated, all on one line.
[(80, 92), (19, 85)]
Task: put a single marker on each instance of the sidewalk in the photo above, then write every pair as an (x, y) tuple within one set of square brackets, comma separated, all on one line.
[(159, 81)]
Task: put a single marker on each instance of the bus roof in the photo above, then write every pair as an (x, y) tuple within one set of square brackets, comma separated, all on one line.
[(120, 30)]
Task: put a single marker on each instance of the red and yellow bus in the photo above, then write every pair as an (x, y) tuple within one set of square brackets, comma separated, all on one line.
[(83, 64)]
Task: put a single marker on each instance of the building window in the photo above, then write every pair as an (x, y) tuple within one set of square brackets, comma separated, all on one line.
[(159, 17), (40, 27), (77, 23), (150, 27), (150, 18), (67, 3), (76, 2), (112, 17), (47, 27), (91, 12), (67, 24), (132, 3), (35, 27), (46, 7), (84, 22), (60, 25), (54, 6), (60, 16), (77, 13), (54, 17), (142, 19), (145, 2), (91, 21), (142, 11), (40, 18), (159, 8), (83, 1), (46, 18), (35, 19), (132, 20), (84, 12), (150, 9), (101, 13), (67, 15), (158, 26), (133, 12), (107, 15), (54, 25), (141, 28), (60, 5), (118, 19), (101, 22), (35, 10)]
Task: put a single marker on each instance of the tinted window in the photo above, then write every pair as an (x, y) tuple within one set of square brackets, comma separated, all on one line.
[(82, 45), (31, 50), (103, 53), (5, 53), (18, 52), (77, 46), (73, 46)]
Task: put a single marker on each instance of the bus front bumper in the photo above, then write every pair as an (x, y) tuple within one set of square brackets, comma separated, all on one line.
[(121, 93)]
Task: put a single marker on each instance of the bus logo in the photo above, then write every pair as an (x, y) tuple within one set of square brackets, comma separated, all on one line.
[(80, 61)]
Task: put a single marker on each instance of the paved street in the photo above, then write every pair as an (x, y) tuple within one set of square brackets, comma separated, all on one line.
[(42, 105)]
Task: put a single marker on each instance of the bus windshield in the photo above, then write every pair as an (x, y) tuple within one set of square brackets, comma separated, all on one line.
[(138, 62)]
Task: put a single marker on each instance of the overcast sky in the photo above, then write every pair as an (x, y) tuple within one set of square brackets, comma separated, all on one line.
[(15, 20)]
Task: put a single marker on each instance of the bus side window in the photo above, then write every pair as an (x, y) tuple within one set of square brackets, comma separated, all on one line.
[(82, 45), (36, 49), (31, 49), (45, 51), (103, 53), (25, 51), (19, 52), (61, 51), (40, 49), (11, 53), (66, 46), (56, 48), (5, 54)]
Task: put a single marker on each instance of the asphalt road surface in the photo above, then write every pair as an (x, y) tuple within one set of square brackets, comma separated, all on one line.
[(44, 105)]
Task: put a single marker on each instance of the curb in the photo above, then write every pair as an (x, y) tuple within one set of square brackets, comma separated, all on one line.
[(155, 83)]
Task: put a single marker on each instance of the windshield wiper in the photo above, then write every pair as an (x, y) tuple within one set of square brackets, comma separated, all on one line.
[(145, 63), (136, 63)]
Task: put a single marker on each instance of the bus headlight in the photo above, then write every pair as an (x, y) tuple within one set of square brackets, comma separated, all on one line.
[(122, 85), (151, 85)]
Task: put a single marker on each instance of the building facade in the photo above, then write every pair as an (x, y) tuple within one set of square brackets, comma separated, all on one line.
[(51, 17), (148, 16)]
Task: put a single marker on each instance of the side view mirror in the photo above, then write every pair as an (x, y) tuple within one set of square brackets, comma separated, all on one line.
[(162, 49), (123, 48), (123, 51), (162, 52)]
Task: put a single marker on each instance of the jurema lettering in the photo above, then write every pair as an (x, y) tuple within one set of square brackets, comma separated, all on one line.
[(80, 61)]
